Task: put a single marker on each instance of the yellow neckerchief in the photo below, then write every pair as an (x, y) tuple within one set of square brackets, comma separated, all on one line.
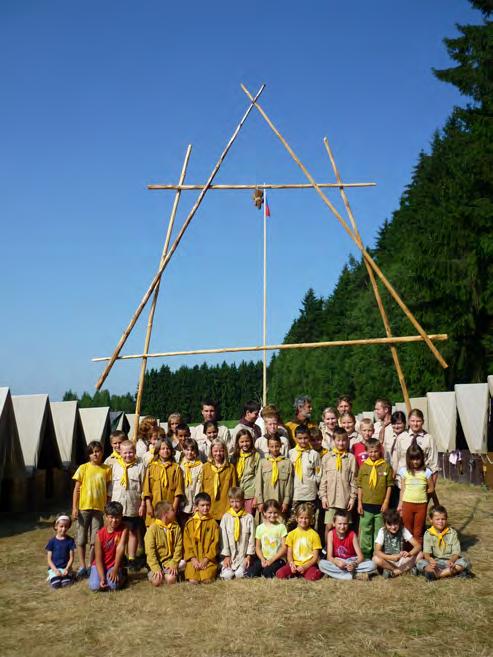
[(151, 449), (275, 468), (163, 474), (198, 519), (217, 469), (125, 467), (169, 528), (117, 456), (373, 474), (323, 452), (240, 464), (236, 515), (298, 464), (338, 454), (439, 535), (188, 465)]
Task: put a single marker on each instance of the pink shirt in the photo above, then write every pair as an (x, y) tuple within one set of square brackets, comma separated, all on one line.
[(360, 453)]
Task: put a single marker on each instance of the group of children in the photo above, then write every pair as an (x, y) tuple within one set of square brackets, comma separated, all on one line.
[(259, 505)]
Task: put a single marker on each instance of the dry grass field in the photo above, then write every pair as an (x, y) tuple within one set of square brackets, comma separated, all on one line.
[(396, 618)]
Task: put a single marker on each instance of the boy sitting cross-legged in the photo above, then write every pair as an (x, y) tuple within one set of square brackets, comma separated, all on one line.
[(441, 549)]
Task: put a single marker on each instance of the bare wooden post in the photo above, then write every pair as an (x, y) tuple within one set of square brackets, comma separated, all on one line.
[(402, 339), (264, 323), (351, 234), (376, 292), (143, 366), (174, 246)]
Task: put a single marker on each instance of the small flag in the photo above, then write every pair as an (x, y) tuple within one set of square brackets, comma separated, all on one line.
[(267, 209)]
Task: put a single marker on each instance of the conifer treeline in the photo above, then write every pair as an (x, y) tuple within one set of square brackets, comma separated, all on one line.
[(437, 250)]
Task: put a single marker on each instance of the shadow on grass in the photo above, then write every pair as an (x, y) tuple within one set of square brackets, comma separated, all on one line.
[(12, 524)]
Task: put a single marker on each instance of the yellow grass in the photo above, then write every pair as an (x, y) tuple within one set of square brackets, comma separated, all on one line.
[(405, 617)]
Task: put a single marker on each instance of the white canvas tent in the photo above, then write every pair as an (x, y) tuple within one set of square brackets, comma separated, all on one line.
[(442, 419), (473, 404), (69, 432), (416, 402), (490, 384), (130, 417), (368, 415), (96, 423), (36, 432), (11, 461), (119, 421)]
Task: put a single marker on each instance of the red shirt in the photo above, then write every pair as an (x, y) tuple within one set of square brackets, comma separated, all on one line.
[(343, 548), (109, 543), (360, 453)]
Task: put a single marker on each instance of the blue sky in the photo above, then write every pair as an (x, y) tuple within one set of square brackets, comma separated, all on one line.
[(100, 99)]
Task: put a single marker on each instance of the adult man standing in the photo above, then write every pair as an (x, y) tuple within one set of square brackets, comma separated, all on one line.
[(209, 414), (303, 413)]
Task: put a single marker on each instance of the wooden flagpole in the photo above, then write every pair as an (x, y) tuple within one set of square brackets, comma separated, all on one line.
[(143, 366), (274, 347), (376, 292), (351, 234), (264, 329), (175, 244)]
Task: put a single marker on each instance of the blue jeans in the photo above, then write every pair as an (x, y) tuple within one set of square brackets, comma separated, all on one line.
[(330, 569), (94, 580)]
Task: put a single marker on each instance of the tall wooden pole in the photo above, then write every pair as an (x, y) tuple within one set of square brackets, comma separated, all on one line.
[(376, 292), (175, 244), (264, 329), (351, 234), (150, 320)]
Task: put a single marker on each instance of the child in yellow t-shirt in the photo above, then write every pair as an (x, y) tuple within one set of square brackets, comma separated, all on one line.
[(303, 547), (92, 480)]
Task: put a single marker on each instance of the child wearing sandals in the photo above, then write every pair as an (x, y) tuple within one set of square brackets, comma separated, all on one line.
[(390, 555), (60, 552)]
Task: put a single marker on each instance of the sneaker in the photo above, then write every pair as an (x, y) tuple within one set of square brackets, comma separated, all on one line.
[(83, 573), (414, 571), (362, 577), (133, 565), (430, 577), (387, 574)]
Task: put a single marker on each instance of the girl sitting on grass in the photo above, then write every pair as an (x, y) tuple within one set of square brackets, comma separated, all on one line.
[(60, 551)]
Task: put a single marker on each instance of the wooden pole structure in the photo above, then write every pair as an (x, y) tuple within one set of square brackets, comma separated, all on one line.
[(150, 320), (351, 234), (187, 188), (274, 347), (264, 327), (376, 292), (175, 244)]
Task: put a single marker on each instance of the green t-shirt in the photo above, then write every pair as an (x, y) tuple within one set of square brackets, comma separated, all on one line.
[(270, 537)]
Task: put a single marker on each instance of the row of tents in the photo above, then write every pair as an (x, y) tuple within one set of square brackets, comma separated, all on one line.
[(42, 442)]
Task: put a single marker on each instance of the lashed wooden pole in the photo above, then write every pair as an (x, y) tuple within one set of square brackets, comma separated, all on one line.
[(351, 234), (274, 347), (187, 188), (150, 320), (174, 246), (376, 292)]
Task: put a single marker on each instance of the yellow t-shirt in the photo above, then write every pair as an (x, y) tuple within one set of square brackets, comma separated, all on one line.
[(94, 480), (303, 542)]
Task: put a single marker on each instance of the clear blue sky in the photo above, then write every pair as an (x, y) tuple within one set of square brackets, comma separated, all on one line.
[(99, 99)]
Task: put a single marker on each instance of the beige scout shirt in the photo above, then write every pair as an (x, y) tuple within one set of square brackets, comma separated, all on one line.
[(246, 543), (129, 497), (191, 490), (427, 444), (327, 438), (247, 481), (261, 445), (205, 444), (282, 491), (307, 489), (338, 486)]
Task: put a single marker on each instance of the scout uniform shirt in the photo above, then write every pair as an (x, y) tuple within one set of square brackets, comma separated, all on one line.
[(128, 489), (270, 487), (338, 485), (244, 546), (163, 546), (305, 489)]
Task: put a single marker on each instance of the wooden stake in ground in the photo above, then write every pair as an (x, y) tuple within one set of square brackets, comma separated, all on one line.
[(351, 234), (175, 244), (143, 366), (376, 292), (274, 347)]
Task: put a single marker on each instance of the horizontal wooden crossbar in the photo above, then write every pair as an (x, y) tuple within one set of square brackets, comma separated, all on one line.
[(274, 347), (186, 188)]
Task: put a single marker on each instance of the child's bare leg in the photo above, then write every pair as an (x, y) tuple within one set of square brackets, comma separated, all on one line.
[(384, 564), (193, 581), (170, 579), (81, 549), (133, 541)]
